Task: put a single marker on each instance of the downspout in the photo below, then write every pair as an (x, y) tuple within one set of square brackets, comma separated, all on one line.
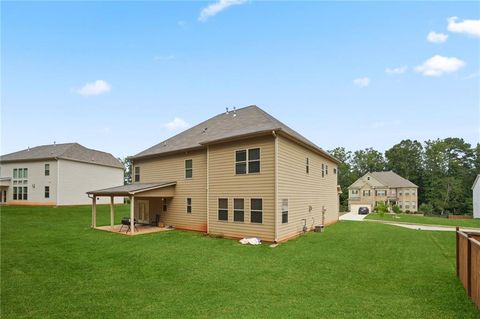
[(208, 190), (275, 232), (57, 190)]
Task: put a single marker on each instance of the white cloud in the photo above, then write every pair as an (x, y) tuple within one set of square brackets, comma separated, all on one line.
[(94, 88), (362, 82), (472, 76), (435, 37), (177, 124), (219, 6), (397, 70), (470, 27), (437, 65)]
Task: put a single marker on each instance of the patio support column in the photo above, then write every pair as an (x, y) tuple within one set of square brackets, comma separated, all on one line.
[(112, 213), (94, 211), (132, 214)]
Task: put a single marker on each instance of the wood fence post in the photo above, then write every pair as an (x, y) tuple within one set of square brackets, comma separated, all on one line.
[(469, 266), (458, 251)]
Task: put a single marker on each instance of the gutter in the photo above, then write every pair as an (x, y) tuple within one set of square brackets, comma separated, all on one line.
[(275, 231)]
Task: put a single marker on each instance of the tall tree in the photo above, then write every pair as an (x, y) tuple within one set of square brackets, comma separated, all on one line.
[(127, 170), (367, 160), (406, 159), (345, 174)]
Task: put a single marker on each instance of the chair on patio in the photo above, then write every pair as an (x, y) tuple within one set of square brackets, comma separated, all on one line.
[(126, 222)]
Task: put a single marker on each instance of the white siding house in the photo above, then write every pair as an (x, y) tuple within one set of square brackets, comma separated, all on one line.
[(476, 197), (58, 174)]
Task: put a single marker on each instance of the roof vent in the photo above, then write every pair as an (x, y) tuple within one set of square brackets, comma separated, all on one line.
[(164, 143), (28, 149), (226, 110), (234, 111), (205, 130), (54, 143)]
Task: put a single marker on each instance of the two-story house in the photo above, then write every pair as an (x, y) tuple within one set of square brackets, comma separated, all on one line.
[(239, 174), (387, 187), (56, 174)]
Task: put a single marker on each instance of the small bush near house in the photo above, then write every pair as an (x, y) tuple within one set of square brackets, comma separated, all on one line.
[(427, 209), (396, 209), (408, 211), (381, 208)]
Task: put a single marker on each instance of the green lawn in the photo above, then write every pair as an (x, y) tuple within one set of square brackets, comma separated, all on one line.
[(418, 219), (54, 266)]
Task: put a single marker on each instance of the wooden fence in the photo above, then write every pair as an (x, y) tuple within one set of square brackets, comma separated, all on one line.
[(468, 263), (460, 216)]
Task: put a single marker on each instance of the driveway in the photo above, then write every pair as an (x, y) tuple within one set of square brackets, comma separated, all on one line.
[(352, 216)]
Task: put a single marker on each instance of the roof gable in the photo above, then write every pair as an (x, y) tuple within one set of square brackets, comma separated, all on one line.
[(67, 151), (242, 122)]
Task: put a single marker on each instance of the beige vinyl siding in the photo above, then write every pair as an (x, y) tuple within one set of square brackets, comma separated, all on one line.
[(224, 183), (172, 168), (303, 190)]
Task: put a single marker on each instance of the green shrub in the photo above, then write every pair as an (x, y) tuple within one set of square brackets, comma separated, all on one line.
[(396, 209), (426, 209), (381, 208)]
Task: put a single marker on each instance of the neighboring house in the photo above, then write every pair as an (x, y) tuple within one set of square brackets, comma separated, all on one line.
[(239, 174), (387, 187), (57, 174), (476, 197)]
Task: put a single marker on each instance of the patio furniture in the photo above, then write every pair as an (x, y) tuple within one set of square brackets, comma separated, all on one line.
[(156, 221), (126, 222)]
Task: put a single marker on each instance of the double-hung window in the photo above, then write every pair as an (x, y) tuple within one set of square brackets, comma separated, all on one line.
[(247, 161), (189, 205), (137, 174), (188, 168), (323, 170), (256, 210), (47, 191), (307, 165), (223, 209), (284, 211), (366, 193), (47, 169), (238, 209)]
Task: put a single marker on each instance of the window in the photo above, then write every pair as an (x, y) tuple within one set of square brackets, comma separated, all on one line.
[(413, 205), (326, 169), (189, 205), (247, 161), (323, 170), (413, 193), (188, 168), (407, 193), (47, 191), (15, 173), (335, 171), (254, 160), (47, 169), (223, 209), (307, 166), (284, 211), (238, 209), (20, 193), (381, 193), (407, 205), (256, 210), (25, 173), (400, 193), (20, 173), (15, 193), (25, 193), (366, 193), (164, 204), (137, 174), (354, 192)]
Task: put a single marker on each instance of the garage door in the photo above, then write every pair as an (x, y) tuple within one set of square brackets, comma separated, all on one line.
[(354, 208)]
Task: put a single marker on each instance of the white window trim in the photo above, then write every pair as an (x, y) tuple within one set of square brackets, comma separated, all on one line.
[(247, 160)]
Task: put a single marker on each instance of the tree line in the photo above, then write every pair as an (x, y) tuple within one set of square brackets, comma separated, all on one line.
[(443, 169)]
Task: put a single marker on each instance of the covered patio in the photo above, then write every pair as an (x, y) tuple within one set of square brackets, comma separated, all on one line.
[(145, 209)]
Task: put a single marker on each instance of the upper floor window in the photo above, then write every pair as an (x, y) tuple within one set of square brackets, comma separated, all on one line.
[(354, 192), (189, 205), (381, 192), (137, 174), (247, 161), (222, 209), (323, 170), (326, 169), (47, 169), (307, 165), (256, 210), (20, 173), (366, 193), (188, 168), (284, 211), (238, 209), (334, 171)]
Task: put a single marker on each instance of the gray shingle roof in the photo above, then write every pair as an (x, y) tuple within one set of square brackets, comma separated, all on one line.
[(244, 121), (125, 190), (392, 179), (68, 151)]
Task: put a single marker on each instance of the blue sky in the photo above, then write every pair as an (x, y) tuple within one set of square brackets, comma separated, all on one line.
[(114, 76)]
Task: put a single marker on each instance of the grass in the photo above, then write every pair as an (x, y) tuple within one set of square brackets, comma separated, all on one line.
[(54, 266), (428, 220)]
